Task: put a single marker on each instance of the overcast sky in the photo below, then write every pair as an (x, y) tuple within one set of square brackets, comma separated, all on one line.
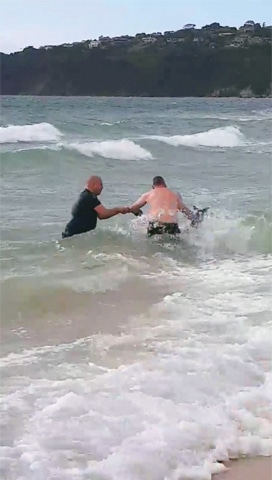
[(52, 22)]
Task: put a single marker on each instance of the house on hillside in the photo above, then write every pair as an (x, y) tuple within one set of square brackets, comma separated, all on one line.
[(94, 44), (175, 40), (149, 40), (189, 26), (248, 26)]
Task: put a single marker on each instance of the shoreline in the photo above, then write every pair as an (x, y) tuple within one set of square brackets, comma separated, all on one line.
[(256, 468), (257, 97)]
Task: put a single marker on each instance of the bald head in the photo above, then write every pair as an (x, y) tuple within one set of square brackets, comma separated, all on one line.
[(94, 185)]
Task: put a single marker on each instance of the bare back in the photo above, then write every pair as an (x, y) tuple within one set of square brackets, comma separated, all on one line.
[(164, 205)]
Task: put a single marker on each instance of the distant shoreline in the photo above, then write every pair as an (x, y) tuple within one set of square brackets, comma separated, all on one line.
[(260, 97), (213, 61)]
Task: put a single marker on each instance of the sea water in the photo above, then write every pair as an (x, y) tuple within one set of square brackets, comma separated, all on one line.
[(123, 357)]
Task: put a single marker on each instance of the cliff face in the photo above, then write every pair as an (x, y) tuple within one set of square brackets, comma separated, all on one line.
[(186, 69)]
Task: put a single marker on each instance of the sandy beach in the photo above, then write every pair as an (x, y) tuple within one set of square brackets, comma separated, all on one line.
[(259, 468)]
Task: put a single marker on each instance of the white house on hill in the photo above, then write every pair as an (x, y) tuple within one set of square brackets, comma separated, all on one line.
[(149, 39), (94, 43), (189, 26)]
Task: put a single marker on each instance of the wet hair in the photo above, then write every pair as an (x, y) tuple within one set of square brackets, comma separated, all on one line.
[(158, 181)]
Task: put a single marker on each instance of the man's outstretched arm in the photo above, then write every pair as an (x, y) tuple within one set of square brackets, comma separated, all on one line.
[(141, 202), (183, 208), (104, 213)]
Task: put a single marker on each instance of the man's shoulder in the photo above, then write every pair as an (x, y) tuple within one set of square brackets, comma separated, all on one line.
[(87, 194), (89, 197), (145, 196), (148, 193), (175, 193), (84, 194)]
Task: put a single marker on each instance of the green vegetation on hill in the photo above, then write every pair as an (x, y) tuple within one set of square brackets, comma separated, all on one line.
[(213, 61)]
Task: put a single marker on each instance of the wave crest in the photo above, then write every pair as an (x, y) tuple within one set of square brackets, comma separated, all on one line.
[(37, 132), (217, 137), (117, 149)]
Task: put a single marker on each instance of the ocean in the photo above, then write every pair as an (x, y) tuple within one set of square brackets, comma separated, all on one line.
[(123, 357)]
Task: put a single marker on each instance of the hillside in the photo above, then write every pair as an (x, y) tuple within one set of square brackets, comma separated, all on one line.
[(212, 61)]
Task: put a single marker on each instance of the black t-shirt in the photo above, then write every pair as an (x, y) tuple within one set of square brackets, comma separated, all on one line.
[(84, 214)]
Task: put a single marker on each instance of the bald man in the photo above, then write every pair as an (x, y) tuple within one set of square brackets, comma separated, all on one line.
[(164, 206), (88, 208)]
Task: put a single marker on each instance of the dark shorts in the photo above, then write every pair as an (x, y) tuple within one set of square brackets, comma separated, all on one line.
[(159, 228)]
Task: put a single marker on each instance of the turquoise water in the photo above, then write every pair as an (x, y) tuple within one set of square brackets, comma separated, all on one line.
[(123, 357)]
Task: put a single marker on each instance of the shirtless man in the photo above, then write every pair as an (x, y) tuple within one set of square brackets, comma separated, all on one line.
[(164, 206), (88, 208)]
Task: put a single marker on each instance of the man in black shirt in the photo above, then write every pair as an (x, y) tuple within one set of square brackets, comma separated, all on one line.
[(88, 208)]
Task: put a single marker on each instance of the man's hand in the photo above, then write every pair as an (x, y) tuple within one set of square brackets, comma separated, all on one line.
[(123, 210), (104, 213)]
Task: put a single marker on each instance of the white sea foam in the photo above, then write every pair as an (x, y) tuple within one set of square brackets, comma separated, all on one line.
[(123, 149), (221, 232), (217, 137), (225, 233), (53, 147), (37, 132), (108, 124), (196, 388)]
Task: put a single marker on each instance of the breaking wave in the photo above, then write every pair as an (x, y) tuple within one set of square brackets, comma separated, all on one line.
[(217, 137), (117, 149), (37, 132), (222, 234)]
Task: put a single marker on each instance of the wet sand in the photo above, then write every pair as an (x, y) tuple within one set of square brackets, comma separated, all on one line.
[(259, 468)]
